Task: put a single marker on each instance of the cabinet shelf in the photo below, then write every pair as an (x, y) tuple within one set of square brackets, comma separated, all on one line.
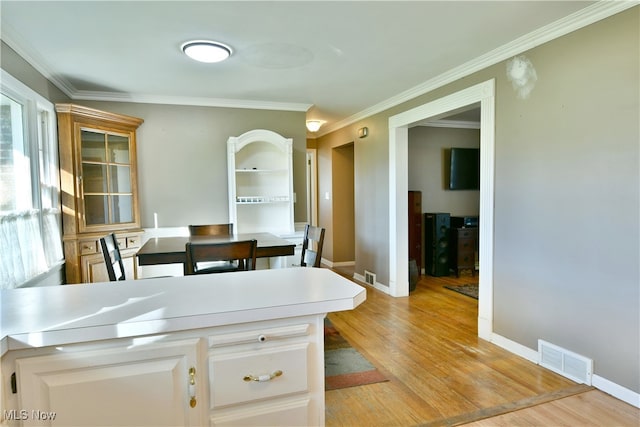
[(265, 171), (261, 200)]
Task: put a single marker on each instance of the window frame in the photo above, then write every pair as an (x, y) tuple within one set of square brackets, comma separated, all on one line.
[(40, 141)]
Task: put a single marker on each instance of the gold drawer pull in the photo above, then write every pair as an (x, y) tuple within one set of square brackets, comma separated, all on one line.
[(192, 387), (263, 378)]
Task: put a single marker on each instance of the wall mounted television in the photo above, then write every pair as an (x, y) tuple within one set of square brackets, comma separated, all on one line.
[(464, 170)]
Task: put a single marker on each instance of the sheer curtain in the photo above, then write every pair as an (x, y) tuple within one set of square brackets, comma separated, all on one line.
[(30, 238), (21, 247)]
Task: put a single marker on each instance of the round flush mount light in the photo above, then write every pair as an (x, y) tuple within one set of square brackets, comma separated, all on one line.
[(206, 50)]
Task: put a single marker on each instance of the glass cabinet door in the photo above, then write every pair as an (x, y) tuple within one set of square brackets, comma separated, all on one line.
[(106, 178)]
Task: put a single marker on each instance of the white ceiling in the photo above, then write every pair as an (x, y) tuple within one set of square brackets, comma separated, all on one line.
[(334, 60)]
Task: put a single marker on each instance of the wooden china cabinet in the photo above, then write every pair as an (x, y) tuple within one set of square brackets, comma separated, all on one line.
[(99, 189)]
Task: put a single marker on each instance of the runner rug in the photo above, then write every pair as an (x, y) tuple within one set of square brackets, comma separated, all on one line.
[(344, 366), (470, 290)]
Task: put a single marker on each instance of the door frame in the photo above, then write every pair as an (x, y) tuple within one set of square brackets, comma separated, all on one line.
[(483, 93), (312, 187)]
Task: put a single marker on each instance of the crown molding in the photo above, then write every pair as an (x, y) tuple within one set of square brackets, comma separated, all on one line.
[(15, 42), (589, 15), (187, 100), (457, 124), (22, 48), (582, 18)]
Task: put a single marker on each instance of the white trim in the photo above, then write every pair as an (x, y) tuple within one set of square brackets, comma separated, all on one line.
[(12, 39), (312, 186), (377, 285), (192, 101), (12, 85), (484, 93), (515, 348), (457, 124), (587, 16), (332, 264), (615, 390), (603, 384)]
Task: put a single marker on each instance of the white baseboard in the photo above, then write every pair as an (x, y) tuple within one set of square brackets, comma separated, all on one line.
[(515, 348), (602, 384), (377, 285), (615, 390), (332, 264)]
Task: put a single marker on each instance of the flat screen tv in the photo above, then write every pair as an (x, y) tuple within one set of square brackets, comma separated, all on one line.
[(464, 171)]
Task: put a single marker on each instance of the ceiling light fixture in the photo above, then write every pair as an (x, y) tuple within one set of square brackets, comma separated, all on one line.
[(314, 125), (206, 50)]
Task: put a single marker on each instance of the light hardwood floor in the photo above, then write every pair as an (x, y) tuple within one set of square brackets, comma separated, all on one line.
[(441, 374)]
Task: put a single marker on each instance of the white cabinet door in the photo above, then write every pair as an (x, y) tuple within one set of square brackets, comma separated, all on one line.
[(146, 385)]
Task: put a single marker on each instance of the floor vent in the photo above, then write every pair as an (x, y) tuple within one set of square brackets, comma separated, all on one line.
[(369, 278), (564, 362)]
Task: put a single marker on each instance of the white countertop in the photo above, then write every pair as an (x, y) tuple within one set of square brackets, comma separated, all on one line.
[(56, 315)]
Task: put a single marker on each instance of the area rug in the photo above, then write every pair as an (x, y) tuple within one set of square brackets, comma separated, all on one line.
[(344, 366), (470, 290)]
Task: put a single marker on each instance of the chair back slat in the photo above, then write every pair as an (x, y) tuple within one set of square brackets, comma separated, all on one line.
[(312, 246), (242, 252), (211, 230), (112, 257)]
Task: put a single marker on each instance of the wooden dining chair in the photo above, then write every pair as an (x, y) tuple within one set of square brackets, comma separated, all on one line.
[(214, 230), (112, 257), (243, 254), (211, 230), (312, 246)]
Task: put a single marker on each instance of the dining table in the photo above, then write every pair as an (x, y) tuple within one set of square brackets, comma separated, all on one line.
[(172, 250)]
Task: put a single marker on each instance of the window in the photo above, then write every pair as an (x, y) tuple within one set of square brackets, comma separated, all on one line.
[(30, 238)]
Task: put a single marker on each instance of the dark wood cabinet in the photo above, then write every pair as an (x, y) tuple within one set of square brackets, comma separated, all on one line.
[(415, 228), (464, 243)]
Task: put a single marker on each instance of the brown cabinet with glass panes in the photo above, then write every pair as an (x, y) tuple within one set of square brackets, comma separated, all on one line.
[(99, 188)]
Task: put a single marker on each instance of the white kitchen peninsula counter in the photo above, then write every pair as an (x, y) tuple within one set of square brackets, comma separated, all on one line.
[(218, 320)]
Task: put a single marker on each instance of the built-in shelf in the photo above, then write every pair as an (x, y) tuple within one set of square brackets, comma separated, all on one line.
[(261, 182)]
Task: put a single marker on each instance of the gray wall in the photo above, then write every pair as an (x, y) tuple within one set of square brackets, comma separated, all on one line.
[(567, 200), (429, 168), (567, 205), (182, 158)]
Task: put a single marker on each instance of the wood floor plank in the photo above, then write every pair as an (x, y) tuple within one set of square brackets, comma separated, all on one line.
[(440, 372)]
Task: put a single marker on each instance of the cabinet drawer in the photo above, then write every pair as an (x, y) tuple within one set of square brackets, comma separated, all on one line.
[(262, 336), (466, 233), (122, 242), (466, 259), (89, 247), (288, 412), (466, 245), (251, 375), (133, 242)]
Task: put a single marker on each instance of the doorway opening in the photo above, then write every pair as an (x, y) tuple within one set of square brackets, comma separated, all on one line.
[(343, 205), (484, 94)]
